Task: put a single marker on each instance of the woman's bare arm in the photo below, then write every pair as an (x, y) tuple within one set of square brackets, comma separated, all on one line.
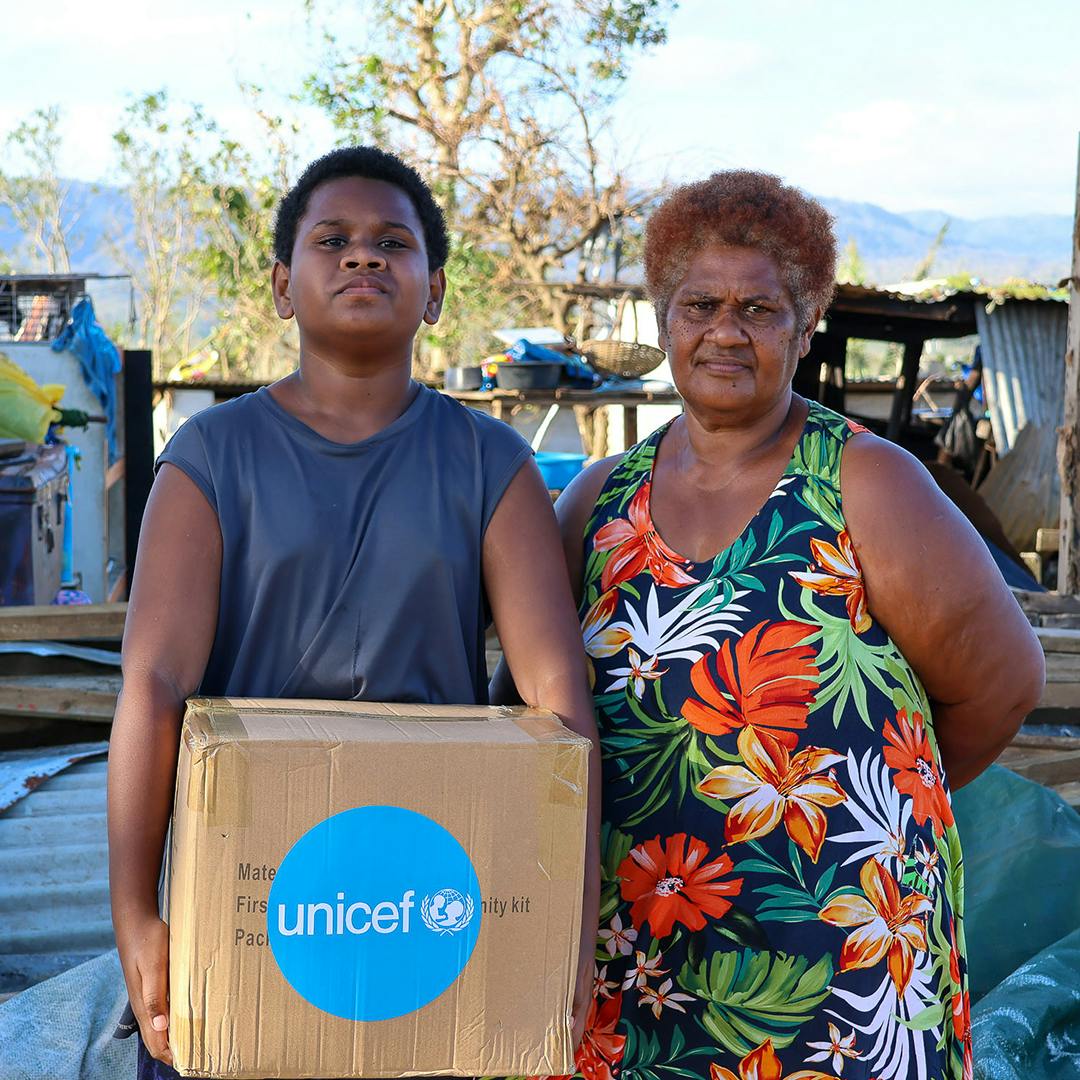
[(933, 586), (171, 619)]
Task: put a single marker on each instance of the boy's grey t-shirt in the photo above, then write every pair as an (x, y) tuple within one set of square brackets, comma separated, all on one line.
[(350, 571)]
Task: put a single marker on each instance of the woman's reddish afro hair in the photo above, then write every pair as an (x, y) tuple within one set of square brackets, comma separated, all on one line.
[(741, 208)]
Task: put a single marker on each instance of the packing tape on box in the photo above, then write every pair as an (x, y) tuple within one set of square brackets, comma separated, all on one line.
[(563, 776)]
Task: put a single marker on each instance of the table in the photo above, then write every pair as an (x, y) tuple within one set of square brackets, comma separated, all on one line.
[(584, 402)]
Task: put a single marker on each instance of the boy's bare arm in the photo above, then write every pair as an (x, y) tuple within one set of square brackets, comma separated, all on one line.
[(529, 591), (172, 615)]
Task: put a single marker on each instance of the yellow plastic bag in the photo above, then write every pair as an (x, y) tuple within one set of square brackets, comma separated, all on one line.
[(26, 409)]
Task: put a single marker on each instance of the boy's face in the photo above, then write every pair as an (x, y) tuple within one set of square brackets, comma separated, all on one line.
[(359, 275)]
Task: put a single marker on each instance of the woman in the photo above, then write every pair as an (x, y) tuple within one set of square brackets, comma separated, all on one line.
[(798, 645)]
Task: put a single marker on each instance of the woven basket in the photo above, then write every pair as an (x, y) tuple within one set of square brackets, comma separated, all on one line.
[(626, 359)]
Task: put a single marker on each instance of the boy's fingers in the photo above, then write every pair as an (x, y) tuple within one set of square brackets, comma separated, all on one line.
[(155, 1019)]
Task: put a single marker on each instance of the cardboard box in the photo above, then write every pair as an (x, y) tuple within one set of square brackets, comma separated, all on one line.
[(374, 890)]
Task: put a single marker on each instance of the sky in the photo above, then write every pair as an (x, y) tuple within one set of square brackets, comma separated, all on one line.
[(973, 110)]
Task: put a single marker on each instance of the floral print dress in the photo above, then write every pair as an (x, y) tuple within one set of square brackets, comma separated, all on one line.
[(782, 878)]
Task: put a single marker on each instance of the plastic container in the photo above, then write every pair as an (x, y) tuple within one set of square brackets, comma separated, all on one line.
[(463, 378), (528, 376), (559, 469)]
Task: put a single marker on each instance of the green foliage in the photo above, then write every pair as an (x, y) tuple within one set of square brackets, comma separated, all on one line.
[(753, 996), (644, 1058), (530, 186), (36, 198), (851, 270), (616, 846)]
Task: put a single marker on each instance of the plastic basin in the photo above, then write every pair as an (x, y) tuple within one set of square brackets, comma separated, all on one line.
[(558, 469)]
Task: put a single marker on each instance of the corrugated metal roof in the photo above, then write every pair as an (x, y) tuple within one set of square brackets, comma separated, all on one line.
[(54, 888), (1023, 351)]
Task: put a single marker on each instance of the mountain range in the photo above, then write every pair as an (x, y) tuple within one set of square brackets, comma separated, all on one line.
[(890, 245)]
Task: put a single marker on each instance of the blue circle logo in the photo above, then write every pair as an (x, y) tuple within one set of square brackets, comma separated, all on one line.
[(373, 913)]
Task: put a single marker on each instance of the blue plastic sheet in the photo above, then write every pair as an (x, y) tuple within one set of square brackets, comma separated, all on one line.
[(98, 358)]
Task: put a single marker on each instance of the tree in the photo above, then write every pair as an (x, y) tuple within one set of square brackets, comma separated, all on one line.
[(851, 270), (200, 246), (156, 164), (37, 200), (922, 271), (504, 102), (238, 194)]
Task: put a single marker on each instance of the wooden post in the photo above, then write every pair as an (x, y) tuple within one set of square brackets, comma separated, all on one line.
[(900, 416), (138, 447), (1069, 434)]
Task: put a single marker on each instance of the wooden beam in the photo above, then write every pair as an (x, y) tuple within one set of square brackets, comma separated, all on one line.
[(60, 697), (58, 622), (872, 328), (1069, 436), (114, 473)]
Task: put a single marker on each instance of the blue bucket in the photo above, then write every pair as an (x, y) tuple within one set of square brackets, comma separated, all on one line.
[(559, 469)]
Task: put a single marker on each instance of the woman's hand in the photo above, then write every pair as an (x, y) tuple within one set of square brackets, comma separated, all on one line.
[(143, 942), (932, 584)]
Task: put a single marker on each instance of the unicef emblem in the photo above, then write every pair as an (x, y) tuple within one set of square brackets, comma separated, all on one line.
[(447, 911), (379, 936)]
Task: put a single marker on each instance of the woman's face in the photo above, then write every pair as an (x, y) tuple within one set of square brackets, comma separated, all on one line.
[(731, 333)]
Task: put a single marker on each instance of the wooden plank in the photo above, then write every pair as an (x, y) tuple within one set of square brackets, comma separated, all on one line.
[(1055, 639), (57, 622), (1030, 740), (1062, 667), (1049, 769), (114, 473), (1059, 622), (60, 697), (1068, 447), (1061, 695), (1070, 793), (1047, 603), (1047, 541)]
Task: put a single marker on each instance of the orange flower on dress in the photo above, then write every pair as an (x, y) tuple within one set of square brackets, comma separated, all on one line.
[(885, 924), (671, 883), (838, 574), (917, 774), (763, 1064), (766, 679), (600, 1050), (775, 787), (961, 1007), (635, 545), (599, 639)]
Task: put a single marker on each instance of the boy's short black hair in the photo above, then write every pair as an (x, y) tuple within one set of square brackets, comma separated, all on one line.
[(370, 163)]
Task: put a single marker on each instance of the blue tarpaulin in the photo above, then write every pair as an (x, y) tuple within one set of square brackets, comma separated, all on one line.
[(98, 358)]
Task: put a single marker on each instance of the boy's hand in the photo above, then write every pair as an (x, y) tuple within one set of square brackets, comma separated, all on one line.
[(144, 956), (583, 995)]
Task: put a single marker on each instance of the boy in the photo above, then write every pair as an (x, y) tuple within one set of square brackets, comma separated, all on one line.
[(340, 534)]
